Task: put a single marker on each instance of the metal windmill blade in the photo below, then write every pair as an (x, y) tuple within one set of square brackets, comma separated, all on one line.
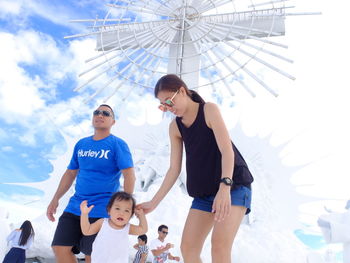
[(206, 43)]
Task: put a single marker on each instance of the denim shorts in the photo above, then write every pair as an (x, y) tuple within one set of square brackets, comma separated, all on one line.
[(240, 196)]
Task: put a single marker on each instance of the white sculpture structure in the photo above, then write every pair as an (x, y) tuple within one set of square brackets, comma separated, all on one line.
[(336, 229), (207, 43)]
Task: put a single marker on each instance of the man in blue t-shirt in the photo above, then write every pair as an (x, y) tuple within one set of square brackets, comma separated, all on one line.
[(97, 164)]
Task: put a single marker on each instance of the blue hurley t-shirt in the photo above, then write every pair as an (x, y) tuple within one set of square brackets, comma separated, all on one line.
[(100, 164)]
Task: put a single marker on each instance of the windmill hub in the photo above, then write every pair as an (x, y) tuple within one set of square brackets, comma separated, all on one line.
[(187, 14)]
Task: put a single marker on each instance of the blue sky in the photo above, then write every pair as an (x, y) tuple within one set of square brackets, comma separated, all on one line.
[(36, 76), (39, 70)]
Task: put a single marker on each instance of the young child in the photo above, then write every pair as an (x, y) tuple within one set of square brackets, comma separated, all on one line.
[(142, 249), (111, 243), (20, 239)]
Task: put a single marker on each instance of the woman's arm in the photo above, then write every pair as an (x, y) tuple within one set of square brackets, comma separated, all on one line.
[(87, 228), (214, 120), (12, 235), (173, 171), (142, 227)]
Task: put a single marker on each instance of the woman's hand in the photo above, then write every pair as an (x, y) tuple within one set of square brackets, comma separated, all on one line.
[(222, 203), (147, 207)]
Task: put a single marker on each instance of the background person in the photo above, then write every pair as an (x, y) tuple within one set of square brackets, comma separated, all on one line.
[(20, 240), (142, 249), (160, 249)]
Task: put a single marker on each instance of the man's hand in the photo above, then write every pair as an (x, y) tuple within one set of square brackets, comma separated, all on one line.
[(169, 245), (51, 210)]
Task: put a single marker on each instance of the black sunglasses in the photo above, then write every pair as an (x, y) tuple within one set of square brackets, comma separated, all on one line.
[(164, 232), (103, 112)]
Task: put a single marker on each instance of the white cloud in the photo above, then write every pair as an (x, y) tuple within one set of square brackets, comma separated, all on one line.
[(9, 7), (33, 67), (19, 92), (19, 12), (7, 148)]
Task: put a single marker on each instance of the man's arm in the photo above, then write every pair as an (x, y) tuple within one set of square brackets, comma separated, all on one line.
[(158, 251), (64, 185), (129, 179), (171, 257)]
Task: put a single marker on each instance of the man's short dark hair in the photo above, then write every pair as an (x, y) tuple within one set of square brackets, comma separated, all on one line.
[(160, 228), (106, 105), (143, 238)]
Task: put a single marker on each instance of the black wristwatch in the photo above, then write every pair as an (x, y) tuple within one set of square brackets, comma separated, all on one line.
[(227, 181)]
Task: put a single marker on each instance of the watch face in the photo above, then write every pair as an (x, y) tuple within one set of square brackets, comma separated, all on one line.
[(226, 181)]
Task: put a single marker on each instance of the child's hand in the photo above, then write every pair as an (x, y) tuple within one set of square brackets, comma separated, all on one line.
[(84, 208), (139, 212)]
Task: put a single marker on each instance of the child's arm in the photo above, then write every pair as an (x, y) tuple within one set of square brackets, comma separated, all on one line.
[(142, 227), (87, 228), (143, 257), (136, 246)]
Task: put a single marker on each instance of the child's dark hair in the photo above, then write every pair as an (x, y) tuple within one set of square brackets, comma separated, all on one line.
[(172, 82), (26, 232), (122, 196), (143, 238), (106, 105)]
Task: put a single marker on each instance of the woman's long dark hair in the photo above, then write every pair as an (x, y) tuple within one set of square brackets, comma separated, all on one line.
[(172, 82), (27, 232)]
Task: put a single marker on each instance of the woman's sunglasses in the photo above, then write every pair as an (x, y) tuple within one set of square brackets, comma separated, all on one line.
[(103, 113), (169, 103)]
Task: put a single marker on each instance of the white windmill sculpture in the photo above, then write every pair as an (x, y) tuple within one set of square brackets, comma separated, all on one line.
[(217, 40)]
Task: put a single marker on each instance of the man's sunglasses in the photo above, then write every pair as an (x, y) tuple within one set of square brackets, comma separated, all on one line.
[(164, 232), (168, 103), (104, 113)]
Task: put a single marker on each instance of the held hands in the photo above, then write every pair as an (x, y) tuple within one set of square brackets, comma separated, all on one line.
[(139, 212), (222, 203), (84, 208), (147, 207)]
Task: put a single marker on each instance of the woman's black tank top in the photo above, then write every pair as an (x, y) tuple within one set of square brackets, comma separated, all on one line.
[(203, 159)]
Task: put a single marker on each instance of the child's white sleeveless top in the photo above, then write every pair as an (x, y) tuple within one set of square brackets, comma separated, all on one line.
[(111, 245)]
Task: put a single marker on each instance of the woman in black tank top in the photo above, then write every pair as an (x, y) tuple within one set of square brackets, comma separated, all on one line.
[(217, 175)]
